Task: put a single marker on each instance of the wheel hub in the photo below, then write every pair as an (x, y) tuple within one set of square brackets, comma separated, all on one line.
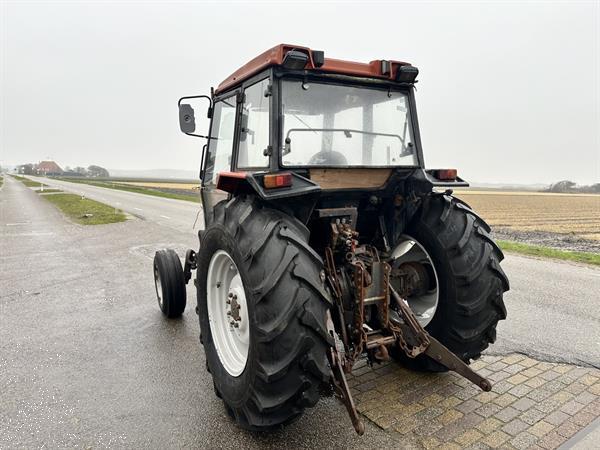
[(228, 313), (234, 308), (415, 278)]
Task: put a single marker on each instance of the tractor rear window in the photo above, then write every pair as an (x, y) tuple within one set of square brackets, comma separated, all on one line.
[(338, 125)]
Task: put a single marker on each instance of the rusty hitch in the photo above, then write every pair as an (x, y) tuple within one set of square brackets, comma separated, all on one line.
[(411, 331), (340, 383), (441, 354)]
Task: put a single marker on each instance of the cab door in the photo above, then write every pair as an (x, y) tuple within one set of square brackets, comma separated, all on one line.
[(219, 153)]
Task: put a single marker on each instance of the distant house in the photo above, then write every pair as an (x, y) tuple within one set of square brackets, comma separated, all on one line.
[(48, 168)]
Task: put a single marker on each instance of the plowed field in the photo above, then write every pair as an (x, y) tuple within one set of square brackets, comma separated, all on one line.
[(576, 214)]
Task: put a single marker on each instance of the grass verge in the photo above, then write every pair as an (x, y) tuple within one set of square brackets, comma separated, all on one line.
[(1, 181), (546, 252), (137, 189), (47, 191), (29, 183), (76, 209)]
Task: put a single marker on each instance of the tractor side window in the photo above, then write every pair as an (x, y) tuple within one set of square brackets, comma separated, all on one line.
[(220, 145), (254, 130)]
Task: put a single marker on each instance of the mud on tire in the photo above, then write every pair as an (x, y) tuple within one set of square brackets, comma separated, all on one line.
[(471, 280), (286, 304)]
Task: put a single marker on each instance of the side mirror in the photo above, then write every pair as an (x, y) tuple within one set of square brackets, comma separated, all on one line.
[(187, 121)]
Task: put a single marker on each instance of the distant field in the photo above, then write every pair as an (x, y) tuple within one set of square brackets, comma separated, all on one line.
[(156, 188), (577, 214), (164, 185)]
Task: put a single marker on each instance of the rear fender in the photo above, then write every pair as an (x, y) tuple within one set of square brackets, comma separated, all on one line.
[(298, 200)]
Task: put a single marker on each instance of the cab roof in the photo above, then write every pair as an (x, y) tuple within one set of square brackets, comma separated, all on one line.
[(384, 69)]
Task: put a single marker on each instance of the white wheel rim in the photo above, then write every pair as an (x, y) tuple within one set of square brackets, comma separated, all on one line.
[(230, 329), (425, 305), (158, 286)]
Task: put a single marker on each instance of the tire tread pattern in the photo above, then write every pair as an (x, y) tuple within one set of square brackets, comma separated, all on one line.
[(290, 306), (459, 241), (173, 283)]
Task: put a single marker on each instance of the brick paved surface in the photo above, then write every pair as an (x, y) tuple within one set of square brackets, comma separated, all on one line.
[(532, 404)]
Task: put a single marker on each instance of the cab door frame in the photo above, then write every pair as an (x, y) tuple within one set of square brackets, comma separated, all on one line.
[(209, 194)]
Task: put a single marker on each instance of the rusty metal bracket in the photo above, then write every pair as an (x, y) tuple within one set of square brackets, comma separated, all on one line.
[(441, 354), (425, 343), (340, 382)]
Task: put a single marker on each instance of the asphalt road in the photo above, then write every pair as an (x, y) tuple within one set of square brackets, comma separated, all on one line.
[(176, 214), (86, 358)]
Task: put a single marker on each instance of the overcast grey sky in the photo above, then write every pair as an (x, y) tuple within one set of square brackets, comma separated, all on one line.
[(507, 92)]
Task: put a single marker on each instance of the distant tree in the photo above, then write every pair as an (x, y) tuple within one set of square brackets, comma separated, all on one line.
[(67, 169), (97, 172), (595, 188), (80, 171), (562, 186)]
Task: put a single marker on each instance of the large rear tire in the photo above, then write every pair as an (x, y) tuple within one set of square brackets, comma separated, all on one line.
[(281, 371), (471, 281)]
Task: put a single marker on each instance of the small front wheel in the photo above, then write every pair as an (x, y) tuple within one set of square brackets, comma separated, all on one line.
[(169, 283)]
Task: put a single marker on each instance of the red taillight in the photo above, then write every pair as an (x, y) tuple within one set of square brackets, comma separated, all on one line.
[(446, 174), (230, 181), (277, 180)]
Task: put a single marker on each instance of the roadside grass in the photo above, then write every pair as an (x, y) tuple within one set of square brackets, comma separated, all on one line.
[(31, 183), (47, 191), (75, 207), (546, 252), (137, 189), (1, 181)]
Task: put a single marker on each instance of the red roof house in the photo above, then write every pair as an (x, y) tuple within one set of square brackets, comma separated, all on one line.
[(48, 168)]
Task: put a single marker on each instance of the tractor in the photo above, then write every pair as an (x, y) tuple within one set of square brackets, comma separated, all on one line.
[(325, 239)]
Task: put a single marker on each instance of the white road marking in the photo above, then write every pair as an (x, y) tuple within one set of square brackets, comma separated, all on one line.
[(165, 217), (17, 224), (33, 233), (138, 209)]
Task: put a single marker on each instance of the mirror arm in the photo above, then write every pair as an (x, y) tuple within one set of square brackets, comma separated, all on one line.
[(198, 135), (210, 104), (202, 162)]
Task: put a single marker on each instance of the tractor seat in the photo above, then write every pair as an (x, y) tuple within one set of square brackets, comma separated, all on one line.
[(328, 158)]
